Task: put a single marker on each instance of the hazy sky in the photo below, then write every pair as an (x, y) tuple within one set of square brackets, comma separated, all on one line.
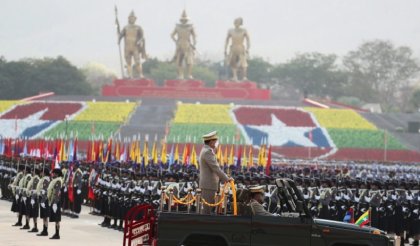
[(83, 30)]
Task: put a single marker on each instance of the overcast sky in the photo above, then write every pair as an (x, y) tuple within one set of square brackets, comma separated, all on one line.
[(83, 30)]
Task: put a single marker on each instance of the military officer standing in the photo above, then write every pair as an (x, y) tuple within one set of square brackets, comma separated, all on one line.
[(210, 172)]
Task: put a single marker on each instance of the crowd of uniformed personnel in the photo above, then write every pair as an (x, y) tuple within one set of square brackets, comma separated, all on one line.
[(390, 191)]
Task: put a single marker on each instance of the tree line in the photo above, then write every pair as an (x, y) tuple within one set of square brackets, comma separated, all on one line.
[(376, 72)]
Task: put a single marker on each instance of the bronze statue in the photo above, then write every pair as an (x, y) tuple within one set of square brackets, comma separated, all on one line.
[(238, 53), (184, 38), (134, 46)]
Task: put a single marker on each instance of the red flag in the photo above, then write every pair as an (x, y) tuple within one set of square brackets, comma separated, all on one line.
[(70, 184), (267, 167)]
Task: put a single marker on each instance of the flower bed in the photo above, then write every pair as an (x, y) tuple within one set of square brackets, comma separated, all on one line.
[(106, 112), (7, 104), (262, 116), (84, 130), (181, 131), (340, 118), (203, 113), (367, 139)]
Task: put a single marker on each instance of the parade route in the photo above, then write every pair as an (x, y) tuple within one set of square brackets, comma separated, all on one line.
[(82, 231)]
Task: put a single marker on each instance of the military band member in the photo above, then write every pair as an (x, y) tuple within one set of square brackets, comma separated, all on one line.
[(54, 190), (41, 190), (210, 172)]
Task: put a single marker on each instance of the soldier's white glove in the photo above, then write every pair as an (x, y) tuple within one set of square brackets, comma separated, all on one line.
[(43, 192), (24, 199), (54, 207), (42, 205), (65, 189), (32, 202), (17, 197), (78, 192)]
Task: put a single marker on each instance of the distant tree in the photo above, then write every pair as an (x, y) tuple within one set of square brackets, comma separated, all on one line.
[(415, 99), (312, 73), (379, 70), (162, 71), (259, 70), (98, 75), (27, 77)]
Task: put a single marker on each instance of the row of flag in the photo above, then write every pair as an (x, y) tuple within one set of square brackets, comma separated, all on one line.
[(137, 151)]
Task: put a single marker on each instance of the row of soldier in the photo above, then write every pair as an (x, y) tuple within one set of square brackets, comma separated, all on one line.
[(330, 191)]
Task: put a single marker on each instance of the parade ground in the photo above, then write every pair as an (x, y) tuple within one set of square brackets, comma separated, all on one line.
[(82, 231)]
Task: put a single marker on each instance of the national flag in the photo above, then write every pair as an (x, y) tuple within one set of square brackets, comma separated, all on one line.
[(364, 219), (349, 216)]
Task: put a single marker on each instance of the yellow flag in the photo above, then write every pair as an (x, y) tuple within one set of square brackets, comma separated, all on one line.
[(194, 157), (154, 153), (220, 155), (176, 155), (163, 157), (244, 158), (225, 156), (146, 152), (117, 151), (230, 162), (251, 157), (63, 153), (138, 152)]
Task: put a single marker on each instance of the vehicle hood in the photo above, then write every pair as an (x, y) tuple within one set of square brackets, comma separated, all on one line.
[(342, 225)]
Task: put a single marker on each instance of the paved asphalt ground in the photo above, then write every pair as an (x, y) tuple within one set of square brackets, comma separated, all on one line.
[(74, 232)]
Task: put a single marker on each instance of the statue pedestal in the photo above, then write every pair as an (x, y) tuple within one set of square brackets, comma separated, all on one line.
[(235, 84), (186, 89)]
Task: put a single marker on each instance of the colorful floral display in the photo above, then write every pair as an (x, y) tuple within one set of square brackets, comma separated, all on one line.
[(340, 118), (106, 111)]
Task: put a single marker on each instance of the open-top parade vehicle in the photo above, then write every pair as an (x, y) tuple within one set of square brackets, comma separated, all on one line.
[(239, 227)]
